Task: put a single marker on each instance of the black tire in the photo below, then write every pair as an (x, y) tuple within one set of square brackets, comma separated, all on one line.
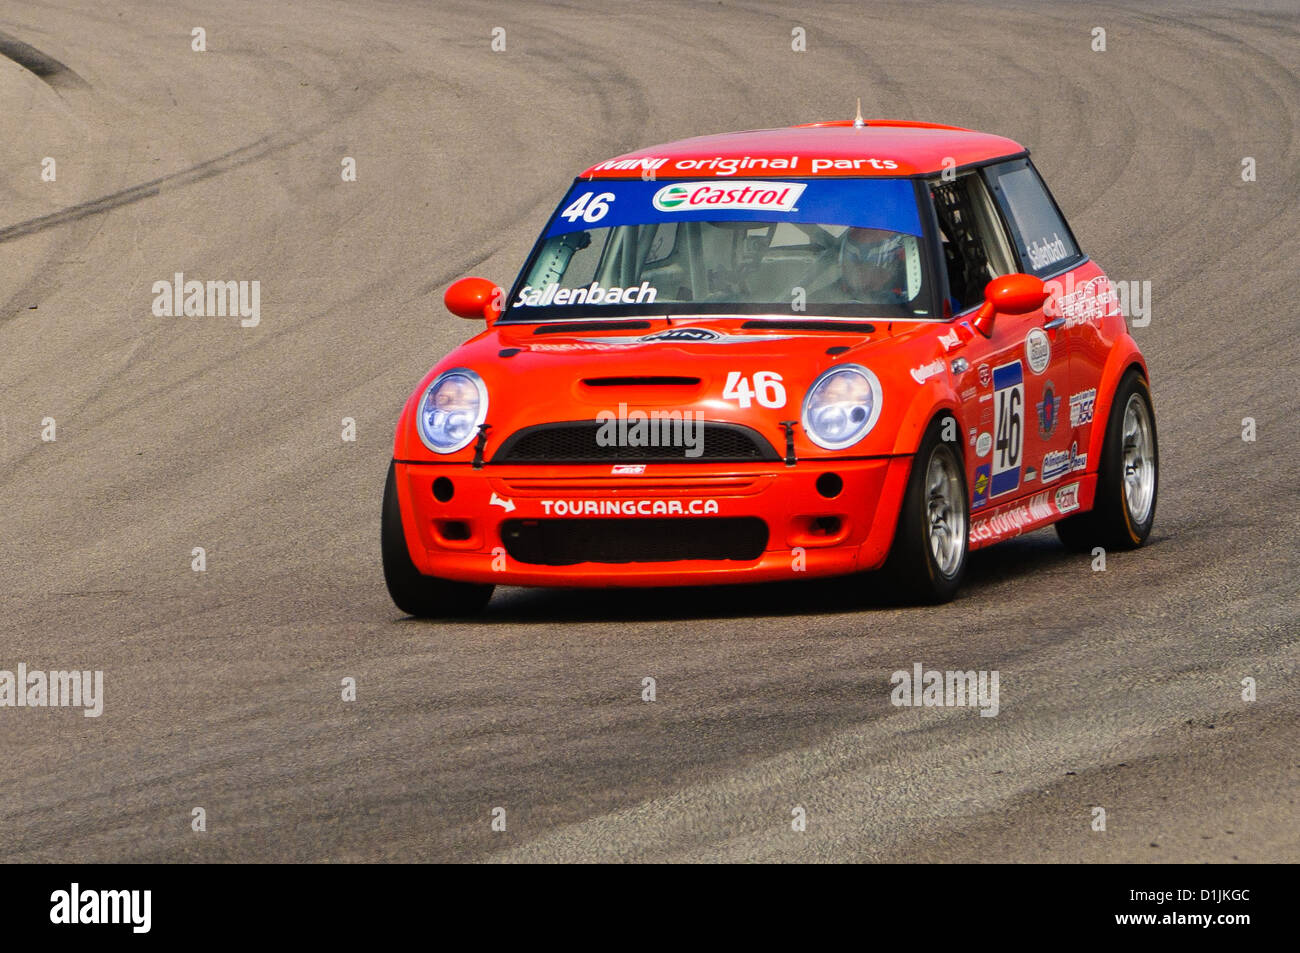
[(911, 570), (1110, 523), (426, 597)]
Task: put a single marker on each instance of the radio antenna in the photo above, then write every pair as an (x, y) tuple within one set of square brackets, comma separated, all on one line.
[(858, 121)]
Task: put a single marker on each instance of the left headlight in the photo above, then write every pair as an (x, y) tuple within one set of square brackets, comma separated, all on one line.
[(841, 407), (451, 410)]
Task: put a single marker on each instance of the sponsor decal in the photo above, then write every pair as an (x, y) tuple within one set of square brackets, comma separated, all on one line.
[(1049, 411), (1045, 251), (749, 196), (628, 469), (980, 487), (1081, 406), (1060, 462), (1012, 521), (1067, 498), (950, 340), (553, 294), (985, 375), (1038, 350), (730, 165), (637, 164), (984, 444), (1087, 303), (507, 505), (926, 371), (968, 393), (1008, 426), (1030, 474), (672, 507)]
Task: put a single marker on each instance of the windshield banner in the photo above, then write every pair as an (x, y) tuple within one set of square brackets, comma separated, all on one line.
[(865, 203)]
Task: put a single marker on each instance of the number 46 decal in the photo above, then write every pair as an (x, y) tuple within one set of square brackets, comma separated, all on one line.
[(592, 212), (767, 389)]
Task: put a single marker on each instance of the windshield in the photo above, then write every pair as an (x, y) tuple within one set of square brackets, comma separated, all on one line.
[(831, 247)]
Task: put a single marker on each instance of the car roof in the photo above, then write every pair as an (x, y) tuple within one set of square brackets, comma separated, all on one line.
[(839, 148)]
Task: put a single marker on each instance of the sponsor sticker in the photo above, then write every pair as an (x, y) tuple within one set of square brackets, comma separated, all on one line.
[(1038, 350), (1046, 251), (671, 507), (1012, 521), (628, 469), (1049, 411), (926, 371), (1058, 463), (980, 487), (983, 444), (1067, 498), (530, 297), (985, 375), (750, 196), (1081, 406)]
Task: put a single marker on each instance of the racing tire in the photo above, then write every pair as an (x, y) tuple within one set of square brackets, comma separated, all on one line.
[(1127, 479), (927, 559), (425, 597)]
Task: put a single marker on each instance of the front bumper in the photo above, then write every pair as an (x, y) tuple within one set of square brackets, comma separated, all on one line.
[(466, 524)]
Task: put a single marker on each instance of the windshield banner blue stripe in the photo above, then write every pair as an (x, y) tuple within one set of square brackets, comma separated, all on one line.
[(865, 203)]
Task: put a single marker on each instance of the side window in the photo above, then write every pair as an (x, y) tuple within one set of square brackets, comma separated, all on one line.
[(975, 247), (1043, 240)]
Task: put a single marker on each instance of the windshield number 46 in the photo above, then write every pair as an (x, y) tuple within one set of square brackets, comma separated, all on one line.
[(587, 208)]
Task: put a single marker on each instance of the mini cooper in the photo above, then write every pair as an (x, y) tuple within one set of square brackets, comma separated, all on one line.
[(837, 348)]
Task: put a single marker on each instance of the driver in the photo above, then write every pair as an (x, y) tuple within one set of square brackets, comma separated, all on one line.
[(873, 265)]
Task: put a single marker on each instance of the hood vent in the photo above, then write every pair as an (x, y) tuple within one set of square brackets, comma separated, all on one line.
[(641, 381), (844, 327), (572, 327)]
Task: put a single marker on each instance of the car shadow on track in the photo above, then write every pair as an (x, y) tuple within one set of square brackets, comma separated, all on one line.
[(1024, 558)]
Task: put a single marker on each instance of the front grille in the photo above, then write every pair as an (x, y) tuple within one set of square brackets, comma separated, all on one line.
[(564, 542), (576, 442)]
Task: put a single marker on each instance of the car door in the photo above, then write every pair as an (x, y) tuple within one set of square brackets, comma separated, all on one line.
[(1078, 296), (1012, 389)]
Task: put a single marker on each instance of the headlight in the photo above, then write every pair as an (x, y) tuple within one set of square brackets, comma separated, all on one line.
[(451, 410), (841, 407)]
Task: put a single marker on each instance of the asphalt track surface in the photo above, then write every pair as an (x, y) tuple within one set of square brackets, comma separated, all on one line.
[(1119, 689)]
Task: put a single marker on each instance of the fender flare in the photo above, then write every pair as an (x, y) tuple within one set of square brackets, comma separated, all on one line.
[(1123, 356)]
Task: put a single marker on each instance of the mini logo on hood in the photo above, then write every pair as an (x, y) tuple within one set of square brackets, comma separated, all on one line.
[(683, 334)]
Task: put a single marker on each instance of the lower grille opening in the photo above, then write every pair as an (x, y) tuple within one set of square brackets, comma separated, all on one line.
[(564, 542)]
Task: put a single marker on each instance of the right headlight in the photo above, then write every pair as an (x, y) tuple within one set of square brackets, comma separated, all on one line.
[(451, 410), (841, 407)]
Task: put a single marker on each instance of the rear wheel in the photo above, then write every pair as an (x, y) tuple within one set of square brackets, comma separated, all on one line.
[(1127, 478), (928, 556), (427, 597)]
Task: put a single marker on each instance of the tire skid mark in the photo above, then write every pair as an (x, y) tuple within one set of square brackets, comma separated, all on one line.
[(44, 67)]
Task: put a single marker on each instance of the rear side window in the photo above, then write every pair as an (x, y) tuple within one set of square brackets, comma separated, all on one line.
[(1043, 240)]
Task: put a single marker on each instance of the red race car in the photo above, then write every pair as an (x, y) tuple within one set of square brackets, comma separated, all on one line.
[(821, 350)]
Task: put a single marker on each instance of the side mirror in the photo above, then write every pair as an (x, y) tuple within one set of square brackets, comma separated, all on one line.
[(1010, 294), (474, 298)]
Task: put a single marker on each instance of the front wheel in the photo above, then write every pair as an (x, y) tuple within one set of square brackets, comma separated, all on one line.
[(928, 556), (426, 597), (1127, 478)]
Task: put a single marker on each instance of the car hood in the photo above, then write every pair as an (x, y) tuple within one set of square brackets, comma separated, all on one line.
[(546, 373)]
